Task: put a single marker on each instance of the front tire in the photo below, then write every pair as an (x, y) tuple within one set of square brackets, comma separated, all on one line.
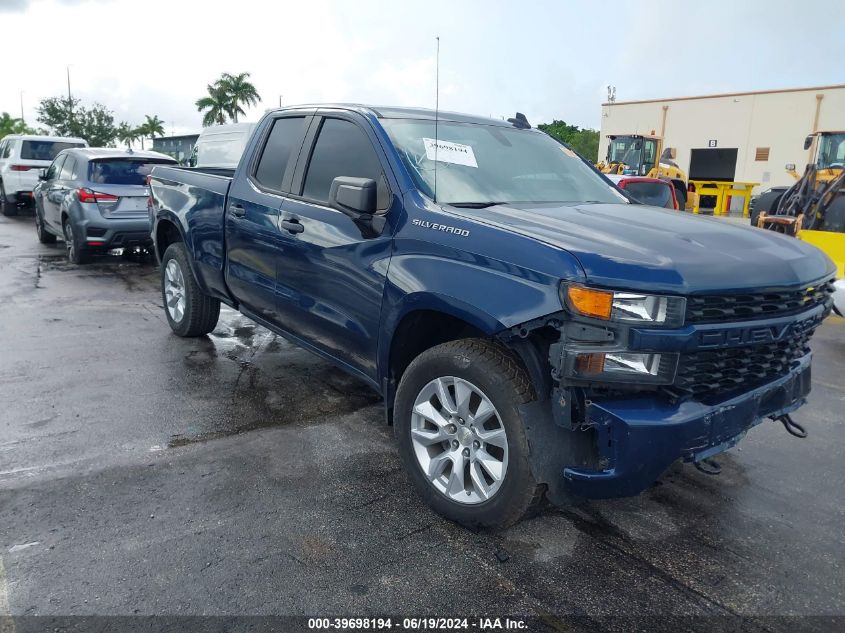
[(460, 434), (189, 311), (44, 236)]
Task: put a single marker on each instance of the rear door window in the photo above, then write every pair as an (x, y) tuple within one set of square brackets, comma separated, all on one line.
[(44, 150), (283, 140), (342, 149), (121, 171)]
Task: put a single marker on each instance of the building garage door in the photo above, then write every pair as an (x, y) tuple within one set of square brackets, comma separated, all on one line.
[(713, 164)]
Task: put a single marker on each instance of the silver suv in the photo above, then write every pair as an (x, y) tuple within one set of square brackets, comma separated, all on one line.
[(96, 200)]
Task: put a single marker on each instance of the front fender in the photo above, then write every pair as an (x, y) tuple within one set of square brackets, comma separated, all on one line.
[(488, 294)]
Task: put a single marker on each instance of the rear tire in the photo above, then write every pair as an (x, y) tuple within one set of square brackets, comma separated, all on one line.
[(7, 208), (434, 430), (76, 252), (189, 311)]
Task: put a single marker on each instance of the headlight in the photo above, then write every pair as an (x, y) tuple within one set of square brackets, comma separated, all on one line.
[(624, 307), (626, 366)]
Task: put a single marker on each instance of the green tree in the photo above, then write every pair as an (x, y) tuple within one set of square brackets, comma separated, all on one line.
[(11, 125), (583, 140), (150, 128), (66, 117), (214, 106), (238, 90), (127, 134), (154, 126)]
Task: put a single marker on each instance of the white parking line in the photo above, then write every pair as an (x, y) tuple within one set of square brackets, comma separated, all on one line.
[(7, 625)]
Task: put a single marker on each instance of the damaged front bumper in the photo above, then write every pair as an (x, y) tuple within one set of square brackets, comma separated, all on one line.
[(638, 438)]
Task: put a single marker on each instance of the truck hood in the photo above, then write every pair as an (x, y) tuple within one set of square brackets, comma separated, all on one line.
[(637, 246)]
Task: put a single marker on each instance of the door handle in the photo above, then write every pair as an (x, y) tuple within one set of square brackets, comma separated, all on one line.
[(237, 210), (292, 225)]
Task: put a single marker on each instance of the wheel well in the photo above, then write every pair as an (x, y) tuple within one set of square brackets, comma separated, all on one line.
[(421, 330), (166, 234)]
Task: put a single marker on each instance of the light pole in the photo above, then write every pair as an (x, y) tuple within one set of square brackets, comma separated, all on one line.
[(69, 98), (23, 120)]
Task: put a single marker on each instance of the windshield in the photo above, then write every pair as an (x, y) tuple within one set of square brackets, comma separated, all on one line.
[(44, 150), (483, 164), (831, 151), (657, 194), (626, 150), (121, 171)]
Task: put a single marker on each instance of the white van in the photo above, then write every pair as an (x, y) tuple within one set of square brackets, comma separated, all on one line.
[(22, 157), (221, 145)]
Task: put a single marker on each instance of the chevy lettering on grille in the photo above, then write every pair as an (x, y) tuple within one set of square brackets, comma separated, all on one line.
[(754, 335), (440, 227)]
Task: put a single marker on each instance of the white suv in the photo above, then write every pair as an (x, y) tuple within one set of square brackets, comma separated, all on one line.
[(22, 157)]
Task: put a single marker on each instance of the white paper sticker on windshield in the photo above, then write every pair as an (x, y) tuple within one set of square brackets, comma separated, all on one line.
[(447, 152)]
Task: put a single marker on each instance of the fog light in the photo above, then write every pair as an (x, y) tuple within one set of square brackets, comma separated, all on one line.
[(626, 366)]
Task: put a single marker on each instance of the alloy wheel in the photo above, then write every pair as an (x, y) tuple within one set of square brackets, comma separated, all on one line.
[(174, 290), (459, 440), (70, 244)]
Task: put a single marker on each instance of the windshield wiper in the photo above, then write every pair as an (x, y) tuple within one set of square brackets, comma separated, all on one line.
[(474, 205)]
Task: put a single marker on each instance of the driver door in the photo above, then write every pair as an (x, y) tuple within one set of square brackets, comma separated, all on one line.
[(330, 278)]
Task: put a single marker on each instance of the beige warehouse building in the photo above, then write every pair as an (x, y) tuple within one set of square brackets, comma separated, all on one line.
[(743, 136)]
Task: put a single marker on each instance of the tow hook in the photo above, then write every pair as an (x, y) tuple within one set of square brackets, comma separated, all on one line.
[(792, 427), (708, 466)]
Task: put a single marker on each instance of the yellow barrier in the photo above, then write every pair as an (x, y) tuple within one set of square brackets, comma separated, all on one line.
[(831, 243), (723, 191)]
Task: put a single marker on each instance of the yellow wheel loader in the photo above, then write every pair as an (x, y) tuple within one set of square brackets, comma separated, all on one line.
[(813, 209), (637, 155)]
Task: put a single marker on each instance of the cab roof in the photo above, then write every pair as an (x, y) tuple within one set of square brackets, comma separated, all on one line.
[(398, 112)]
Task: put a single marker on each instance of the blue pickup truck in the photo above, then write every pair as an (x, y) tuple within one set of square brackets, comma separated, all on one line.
[(533, 331)]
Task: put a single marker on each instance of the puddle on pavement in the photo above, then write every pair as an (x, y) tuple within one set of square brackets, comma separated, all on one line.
[(275, 384), (135, 272)]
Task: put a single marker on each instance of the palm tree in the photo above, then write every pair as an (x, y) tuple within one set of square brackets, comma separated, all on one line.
[(141, 133), (215, 105), (154, 126), (239, 91), (127, 134)]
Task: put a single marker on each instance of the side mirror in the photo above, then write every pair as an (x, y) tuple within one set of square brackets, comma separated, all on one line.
[(670, 153), (42, 174), (357, 198), (791, 166), (808, 141)]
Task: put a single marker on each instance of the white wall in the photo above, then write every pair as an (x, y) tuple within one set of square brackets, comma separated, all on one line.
[(778, 120)]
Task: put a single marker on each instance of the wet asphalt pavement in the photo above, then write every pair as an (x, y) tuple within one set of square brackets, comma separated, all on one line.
[(235, 474)]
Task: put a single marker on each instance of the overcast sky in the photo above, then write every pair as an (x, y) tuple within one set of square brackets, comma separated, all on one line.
[(546, 59)]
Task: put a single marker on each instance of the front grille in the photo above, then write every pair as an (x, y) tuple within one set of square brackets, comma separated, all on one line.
[(703, 375), (758, 305)]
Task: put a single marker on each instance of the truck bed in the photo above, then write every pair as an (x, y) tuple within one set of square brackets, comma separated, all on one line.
[(194, 199)]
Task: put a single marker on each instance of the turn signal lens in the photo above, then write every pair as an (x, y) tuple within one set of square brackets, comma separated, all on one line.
[(589, 364), (589, 302)]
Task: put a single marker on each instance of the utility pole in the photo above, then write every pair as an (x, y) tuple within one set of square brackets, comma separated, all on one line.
[(22, 118), (69, 98), (280, 100)]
